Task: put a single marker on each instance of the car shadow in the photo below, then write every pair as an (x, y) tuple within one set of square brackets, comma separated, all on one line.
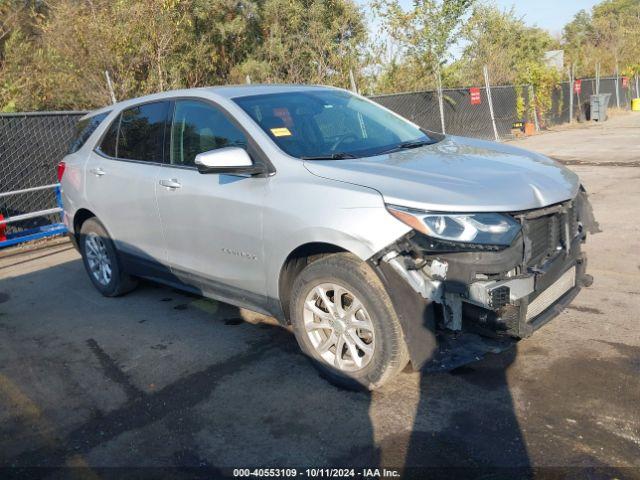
[(482, 433), (163, 380)]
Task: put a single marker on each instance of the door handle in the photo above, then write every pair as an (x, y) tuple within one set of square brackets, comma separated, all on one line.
[(173, 183), (98, 172)]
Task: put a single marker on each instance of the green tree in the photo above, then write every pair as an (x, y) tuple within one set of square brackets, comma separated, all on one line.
[(577, 39), (304, 41), (513, 53), (55, 57), (608, 35), (425, 34), (502, 41)]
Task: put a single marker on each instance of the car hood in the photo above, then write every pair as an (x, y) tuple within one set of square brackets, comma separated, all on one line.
[(458, 174)]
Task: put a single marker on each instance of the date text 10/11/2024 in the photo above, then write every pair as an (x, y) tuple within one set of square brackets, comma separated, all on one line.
[(316, 472)]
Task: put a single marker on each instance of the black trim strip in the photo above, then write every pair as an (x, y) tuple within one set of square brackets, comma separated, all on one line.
[(199, 285), (223, 292), (142, 162)]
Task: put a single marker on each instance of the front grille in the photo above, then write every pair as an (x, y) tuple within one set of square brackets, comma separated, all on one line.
[(547, 233)]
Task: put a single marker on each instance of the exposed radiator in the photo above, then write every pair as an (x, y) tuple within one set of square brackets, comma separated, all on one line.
[(543, 301), (547, 234)]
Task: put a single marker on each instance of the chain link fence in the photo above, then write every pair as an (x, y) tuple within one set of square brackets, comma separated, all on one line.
[(31, 144), (463, 115), (472, 117)]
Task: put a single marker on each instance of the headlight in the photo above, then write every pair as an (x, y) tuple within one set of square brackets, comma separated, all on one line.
[(481, 228)]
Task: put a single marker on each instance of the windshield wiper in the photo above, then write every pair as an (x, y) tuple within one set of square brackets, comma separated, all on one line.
[(331, 156), (408, 145), (415, 144)]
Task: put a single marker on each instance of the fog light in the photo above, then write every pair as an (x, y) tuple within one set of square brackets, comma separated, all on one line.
[(500, 297)]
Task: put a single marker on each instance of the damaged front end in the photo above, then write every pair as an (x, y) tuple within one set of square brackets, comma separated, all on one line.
[(500, 292)]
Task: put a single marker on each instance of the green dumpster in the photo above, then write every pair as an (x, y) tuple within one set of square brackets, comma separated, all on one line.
[(599, 105)]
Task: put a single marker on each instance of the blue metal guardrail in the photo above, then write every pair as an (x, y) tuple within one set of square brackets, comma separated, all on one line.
[(37, 232)]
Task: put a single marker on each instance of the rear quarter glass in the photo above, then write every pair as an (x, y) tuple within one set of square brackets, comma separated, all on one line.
[(108, 144), (84, 129)]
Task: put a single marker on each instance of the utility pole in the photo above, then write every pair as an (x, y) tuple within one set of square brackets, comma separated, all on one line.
[(532, 99), (113, 95), (440, 99), (352, 81), (571, 82), (490, 100), (617, 86)]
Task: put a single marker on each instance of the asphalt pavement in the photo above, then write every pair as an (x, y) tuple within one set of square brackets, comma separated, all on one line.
[(158, 378)]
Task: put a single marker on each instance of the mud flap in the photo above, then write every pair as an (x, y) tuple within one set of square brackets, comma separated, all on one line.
[(416, 315)]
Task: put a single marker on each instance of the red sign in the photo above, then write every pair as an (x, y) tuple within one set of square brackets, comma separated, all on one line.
[(625, 82), (475, 96), (577, 86)]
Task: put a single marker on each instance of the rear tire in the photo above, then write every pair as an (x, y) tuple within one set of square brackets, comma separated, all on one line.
[(101, 260), (359, 323)]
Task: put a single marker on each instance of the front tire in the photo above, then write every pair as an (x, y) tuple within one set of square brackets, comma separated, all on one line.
[(101, 260), (343, 319)]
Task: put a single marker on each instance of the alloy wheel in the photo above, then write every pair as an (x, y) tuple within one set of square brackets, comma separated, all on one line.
[(339, 327), (98, 258)]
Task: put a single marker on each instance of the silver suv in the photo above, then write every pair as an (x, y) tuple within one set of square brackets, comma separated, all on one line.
[(371, 237)]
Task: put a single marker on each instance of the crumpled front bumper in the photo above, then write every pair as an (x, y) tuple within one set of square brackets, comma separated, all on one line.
[(498, 294), (427, 319), (508, 305)]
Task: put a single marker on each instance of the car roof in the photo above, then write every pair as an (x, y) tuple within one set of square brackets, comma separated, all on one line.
[(227, 91), (235, 91)]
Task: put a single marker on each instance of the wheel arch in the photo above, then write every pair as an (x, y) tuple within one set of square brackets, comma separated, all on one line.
[(295, 262), (81, 216)]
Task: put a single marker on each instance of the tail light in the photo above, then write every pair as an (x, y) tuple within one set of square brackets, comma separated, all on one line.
[(3, 229), (61, 167)]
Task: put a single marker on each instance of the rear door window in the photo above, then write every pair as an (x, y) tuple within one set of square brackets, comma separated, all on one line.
[(141, 134), (84, 129)]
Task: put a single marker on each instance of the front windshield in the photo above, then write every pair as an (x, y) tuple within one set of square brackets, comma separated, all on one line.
[(330, 124)]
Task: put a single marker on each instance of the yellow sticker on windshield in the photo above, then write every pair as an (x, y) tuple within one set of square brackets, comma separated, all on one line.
[(280, 132)]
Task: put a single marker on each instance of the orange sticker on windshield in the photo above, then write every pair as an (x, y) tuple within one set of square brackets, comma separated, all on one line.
[(280, 132)]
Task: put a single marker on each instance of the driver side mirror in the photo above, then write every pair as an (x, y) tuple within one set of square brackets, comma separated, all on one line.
[(231, 160)]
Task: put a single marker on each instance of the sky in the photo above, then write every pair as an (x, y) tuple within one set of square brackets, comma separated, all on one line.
[(551, 15)]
